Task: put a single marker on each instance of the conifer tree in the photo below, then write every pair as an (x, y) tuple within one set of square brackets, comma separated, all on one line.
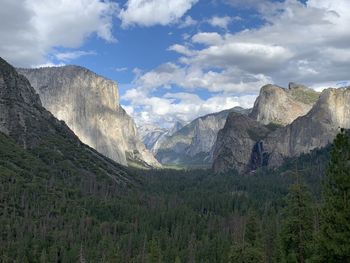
[(334, 245), (297, 227), (250, 251)]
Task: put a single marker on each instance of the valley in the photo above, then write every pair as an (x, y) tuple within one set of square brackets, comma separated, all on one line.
[(62, 200)]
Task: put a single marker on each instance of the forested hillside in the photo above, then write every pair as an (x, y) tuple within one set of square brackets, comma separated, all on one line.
[(53, 212)]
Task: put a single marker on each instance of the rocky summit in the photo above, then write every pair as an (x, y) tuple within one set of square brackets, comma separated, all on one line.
[(30, 125), (314, 130), (246, 143), (234, 144), (282, 106), (89, 105), (192, 145)]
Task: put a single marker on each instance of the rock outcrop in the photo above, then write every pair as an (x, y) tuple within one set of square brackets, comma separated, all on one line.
[(29, 124), (282, 106), (235, 142), (89, 105), (236, 148), (192, 145), (314, 130), (153, 136)]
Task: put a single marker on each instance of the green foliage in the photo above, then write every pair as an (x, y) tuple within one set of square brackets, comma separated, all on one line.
[(272, 126), (335, 224), (308, 96), (297, 225), (61, 203)]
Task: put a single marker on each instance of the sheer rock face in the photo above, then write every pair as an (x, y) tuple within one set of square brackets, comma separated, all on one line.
[(314, 130), (194, 142), (282, 106), (236, 148), (89, 105), (151, 135), (22, 116), (29, 124), (235, 142)]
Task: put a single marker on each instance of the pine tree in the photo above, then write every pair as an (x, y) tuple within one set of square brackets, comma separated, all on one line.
[(334, 245), (297, 226), (250, 251), (155, 255)]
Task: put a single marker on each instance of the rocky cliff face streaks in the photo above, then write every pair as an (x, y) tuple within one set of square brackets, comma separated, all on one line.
[(244, 145), (192, 145), (89, 105), (282, 106)]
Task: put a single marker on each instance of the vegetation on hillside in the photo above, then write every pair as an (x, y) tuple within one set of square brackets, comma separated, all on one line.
[(53, 210)]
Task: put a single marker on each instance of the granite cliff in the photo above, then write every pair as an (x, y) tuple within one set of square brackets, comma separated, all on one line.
[(245, 143), (153, 136), (30, 125), (192, 145), (314, 130), (282, 106), (89, 105), (234, 144)]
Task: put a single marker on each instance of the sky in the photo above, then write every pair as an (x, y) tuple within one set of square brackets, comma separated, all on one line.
[(180, 59)]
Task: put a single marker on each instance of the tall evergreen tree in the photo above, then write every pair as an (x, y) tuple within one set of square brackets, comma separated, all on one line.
[(335, 218), (297, 226), (250, 250)]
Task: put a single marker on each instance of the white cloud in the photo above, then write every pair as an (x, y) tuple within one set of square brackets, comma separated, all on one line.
[(154, 12), (188, 22), (49, 65), (305, 43), (253, 57), (222, 22), (30, 29), (230, 80), (301, 42), (184, 106), (121, 69), (68, 56), (207, 38), (181, 49)]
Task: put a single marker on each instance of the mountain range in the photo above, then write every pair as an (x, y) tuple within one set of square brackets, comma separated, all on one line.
[(192, 144), (284, 122), (247, 143)]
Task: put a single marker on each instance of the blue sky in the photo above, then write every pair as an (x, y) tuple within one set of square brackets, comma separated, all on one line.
[(183, 58)]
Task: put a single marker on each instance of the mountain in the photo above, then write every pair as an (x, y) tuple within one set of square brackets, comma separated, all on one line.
[(89, 105), (234, 144), (192, 144), (246, 144), (152, 136), (316, 129), (282, 106), (47, 142)]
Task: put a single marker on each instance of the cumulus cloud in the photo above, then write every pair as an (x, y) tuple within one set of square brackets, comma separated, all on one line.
[(68, 56), (184, 106), (230, 80), (207, 38), (30, 29), (301, 42), (188, 21), (154, 12), (222, 22)]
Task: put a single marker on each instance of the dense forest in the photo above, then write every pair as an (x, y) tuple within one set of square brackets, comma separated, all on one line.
[(52, 212)]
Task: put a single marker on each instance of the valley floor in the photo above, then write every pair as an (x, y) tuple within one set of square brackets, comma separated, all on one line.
[(51, 213)]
